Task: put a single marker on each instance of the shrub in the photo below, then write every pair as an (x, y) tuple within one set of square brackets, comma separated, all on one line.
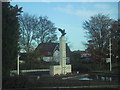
[(15, 82)]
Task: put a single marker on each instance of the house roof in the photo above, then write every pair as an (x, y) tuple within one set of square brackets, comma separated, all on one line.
[(47, 49), (83, 53)]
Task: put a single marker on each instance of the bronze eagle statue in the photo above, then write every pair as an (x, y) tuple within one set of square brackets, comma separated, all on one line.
[(62, 31)]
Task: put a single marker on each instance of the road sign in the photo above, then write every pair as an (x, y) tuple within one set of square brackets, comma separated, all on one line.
[(107, 60)]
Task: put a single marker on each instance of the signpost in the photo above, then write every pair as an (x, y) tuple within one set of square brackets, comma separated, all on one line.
[(110, 48), (107, 60), (18, 69)]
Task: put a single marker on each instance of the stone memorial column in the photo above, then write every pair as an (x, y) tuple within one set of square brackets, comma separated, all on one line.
[(62, 68), (62, 60)]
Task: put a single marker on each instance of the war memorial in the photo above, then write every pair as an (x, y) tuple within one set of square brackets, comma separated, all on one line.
[(62, 68)]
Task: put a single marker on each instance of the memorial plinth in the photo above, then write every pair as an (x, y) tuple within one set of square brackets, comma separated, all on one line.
[(62, 68)]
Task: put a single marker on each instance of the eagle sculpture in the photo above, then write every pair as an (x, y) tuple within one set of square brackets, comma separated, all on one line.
[(62, 31)]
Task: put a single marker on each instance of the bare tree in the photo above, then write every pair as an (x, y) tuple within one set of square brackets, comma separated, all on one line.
[(28, 25), (46, 31), (98, 28), (34, 30)]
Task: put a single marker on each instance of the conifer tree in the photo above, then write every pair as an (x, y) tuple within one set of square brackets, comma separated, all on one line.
[(10, 37)]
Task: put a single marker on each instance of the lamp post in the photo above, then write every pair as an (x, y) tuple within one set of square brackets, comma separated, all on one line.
[(110, 49), (18, 69), (110, 56)]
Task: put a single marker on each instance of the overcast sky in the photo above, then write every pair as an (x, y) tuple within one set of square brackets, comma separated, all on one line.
[(70, 16)]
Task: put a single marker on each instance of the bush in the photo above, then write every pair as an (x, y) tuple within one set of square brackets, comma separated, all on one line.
[(82, 67), (14, 82), (35, 64)]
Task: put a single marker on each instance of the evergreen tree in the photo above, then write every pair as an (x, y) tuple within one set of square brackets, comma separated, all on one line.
[(10, 36)]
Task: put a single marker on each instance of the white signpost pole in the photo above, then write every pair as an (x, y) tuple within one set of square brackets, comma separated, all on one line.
[(18, 69), (110, 49), (110, 55)]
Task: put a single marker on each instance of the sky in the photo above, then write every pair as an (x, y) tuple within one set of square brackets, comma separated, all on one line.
[(70, 16)]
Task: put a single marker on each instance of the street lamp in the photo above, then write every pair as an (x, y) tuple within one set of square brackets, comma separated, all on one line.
[(18, 69), (110, 48)]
